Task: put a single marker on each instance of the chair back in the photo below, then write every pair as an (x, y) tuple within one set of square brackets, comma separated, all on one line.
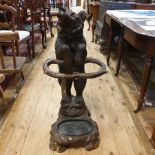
[(35, 8), (8, 2), (20, 11), (31, 13), (8, 14)]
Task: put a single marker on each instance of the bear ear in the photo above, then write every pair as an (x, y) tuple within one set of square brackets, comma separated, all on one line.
[(83, 15)]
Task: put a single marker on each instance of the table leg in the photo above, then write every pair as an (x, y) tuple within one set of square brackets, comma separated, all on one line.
[(89, 18), (93, 32), (120, 51), (109, 44), (146, 75)]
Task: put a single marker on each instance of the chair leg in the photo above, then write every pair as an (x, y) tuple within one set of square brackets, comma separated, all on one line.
[(45, 27), (51, 26), (28, 48), (43, 39), (96, 38), (15, 82), (33, 48), (4, 50), (22, 75), (17, 47), (1, 94)]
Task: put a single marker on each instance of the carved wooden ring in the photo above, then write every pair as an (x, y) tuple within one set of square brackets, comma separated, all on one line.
[(76, 75)]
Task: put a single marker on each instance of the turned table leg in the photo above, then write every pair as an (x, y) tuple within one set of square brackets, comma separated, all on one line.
[(146, 75), (89, 18), (93, 32)]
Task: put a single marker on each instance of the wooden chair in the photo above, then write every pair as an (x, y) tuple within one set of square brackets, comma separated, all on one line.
[(10, 64), (8, 25), (35, 19)]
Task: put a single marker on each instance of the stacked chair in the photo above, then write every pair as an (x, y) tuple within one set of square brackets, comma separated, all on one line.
[(34, 19), (9, 37), (19, 21), (32, 16)]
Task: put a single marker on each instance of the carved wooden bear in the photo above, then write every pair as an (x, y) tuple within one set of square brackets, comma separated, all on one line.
[(70, 47)]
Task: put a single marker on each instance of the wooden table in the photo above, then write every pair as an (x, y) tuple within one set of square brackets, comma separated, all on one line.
[(140, 34)]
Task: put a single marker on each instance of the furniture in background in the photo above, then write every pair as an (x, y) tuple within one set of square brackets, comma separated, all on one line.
[(139, 31), (93, 14), (8, 24), (34, 19), (139, 34), (11, 64), (101, 27)]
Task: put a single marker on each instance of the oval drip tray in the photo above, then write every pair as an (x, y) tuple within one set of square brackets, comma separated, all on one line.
[(75, 127)]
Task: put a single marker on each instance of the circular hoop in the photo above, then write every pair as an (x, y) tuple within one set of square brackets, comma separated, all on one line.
[(76, 75)]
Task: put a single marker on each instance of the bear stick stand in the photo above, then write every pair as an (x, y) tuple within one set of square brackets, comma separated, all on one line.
[(74, 126)]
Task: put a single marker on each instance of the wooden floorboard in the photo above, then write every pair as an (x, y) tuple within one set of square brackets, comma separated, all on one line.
[(27, 126)]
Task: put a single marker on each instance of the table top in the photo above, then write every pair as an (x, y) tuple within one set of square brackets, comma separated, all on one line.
[(140, 21), (132, 13)]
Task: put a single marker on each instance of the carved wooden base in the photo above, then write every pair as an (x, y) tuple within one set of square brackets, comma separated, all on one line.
[(72, 106), (78, 131)]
